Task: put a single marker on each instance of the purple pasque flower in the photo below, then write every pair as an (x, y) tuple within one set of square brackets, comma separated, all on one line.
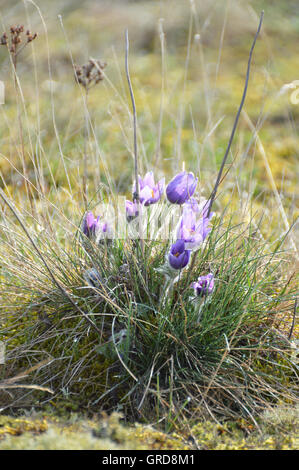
[(178, 256), (193, 227), (192, 204), (90, 224), (204, 285), (200, 206), (181, 188), (104, 230), (149, 192), (95, 227), (132, 210)]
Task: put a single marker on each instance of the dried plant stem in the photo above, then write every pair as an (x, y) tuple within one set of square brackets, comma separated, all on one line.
[(204, 75), (219, 177), (52, 95), (60, 287), (86, 135), (181, 113), (293, 321), (118, 354), (221, 40), (218, 180), (271, 179), (162, 42), (21, 132), (136, 196)]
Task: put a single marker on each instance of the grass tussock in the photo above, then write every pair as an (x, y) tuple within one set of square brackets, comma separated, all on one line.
[(103, 324), (153, 356)]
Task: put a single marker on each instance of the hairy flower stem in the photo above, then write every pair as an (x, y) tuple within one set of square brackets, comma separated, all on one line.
[(167, 287), (200, 303)]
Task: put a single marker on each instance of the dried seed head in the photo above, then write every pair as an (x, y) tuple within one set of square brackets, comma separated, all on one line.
[(3, 39), (17, 34), (31, 38), (90, 73)]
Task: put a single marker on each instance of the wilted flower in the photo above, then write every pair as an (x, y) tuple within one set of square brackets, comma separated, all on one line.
[(193, 227), (204, 285), (181, 188), (178, 256), (149, 192)]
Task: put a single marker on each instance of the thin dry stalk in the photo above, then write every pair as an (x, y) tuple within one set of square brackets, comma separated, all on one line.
[(136, 196), (218, 180), (15, 213)]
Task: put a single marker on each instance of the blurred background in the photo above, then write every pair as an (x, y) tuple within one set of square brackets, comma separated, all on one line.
[(188, 63)]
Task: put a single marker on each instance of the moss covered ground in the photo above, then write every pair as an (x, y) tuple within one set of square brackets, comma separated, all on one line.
[(278, 430)]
